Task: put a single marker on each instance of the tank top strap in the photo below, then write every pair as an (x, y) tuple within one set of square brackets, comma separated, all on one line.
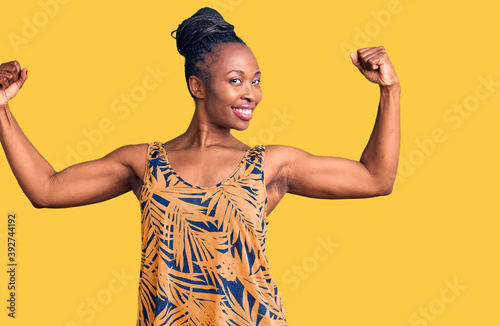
[(154, 150), (155, 161), (252, 168), (256, 154)]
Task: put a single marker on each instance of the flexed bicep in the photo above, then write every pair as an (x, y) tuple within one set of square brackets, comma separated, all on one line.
[(327, 177), (94, 181)]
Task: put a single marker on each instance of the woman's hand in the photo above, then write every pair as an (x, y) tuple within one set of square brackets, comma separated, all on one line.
[(375, 65), (12, 79)]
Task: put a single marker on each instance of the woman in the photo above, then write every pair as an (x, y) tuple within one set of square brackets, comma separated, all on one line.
[(204, 195)]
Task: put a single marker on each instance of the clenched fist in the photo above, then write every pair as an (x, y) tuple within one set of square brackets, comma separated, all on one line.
[(375, 65), (12, 78)]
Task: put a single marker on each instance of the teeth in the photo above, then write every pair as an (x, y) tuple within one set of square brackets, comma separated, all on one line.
[(244, 111)]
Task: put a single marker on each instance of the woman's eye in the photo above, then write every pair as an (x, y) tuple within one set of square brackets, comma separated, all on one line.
[(239, 81)]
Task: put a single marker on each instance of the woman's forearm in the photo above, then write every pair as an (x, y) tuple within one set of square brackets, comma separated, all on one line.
[(382, 151), (31, 169)]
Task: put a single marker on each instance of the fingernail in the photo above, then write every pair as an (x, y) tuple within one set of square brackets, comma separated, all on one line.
[(26, 71)]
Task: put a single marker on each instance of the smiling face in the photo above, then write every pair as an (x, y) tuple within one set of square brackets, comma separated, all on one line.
[(232, 91)]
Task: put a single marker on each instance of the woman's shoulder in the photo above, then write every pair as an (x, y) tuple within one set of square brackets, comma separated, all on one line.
[(132, 155), (283, 152), (131, 150), (279, 157)]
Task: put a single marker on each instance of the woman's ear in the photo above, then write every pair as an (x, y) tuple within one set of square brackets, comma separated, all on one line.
[(196, 86)]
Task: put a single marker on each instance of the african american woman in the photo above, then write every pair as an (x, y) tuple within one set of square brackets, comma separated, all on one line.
[(205, 196)]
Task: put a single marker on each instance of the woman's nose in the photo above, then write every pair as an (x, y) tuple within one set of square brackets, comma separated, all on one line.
[(248, 93)]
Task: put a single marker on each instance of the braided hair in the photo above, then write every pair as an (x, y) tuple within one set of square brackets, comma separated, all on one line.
[(201, 34)]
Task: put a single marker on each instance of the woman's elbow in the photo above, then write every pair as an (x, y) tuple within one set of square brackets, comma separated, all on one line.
[(38, 203), (40, 200), (382, 187), (385, 187), (385, 191)]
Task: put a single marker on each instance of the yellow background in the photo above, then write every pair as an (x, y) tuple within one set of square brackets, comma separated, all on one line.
[(393, 256)]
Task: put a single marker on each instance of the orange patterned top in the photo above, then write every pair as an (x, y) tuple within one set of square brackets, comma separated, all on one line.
[(203, 258)]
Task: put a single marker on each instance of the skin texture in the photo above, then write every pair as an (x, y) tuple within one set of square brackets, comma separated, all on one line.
[(206, 152)]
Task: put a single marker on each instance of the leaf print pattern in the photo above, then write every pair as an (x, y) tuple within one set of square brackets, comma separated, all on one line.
[(203, 259)]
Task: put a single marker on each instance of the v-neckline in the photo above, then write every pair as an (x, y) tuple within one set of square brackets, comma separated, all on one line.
[(178, 176)]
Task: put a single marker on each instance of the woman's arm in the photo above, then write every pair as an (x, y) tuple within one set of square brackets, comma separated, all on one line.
[(374, 175), (80, 184)]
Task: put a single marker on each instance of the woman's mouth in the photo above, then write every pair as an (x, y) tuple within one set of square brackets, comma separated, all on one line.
[(244, 113)]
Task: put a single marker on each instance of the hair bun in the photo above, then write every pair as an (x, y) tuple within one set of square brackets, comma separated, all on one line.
[(198, 36), (203, 23)]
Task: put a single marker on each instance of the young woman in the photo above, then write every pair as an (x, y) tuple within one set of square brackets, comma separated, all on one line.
[(204, 195)]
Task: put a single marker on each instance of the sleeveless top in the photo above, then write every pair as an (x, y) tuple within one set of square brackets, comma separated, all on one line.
[(203, 259)]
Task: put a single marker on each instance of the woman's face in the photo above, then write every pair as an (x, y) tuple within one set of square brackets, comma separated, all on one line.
[(232, 91)]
